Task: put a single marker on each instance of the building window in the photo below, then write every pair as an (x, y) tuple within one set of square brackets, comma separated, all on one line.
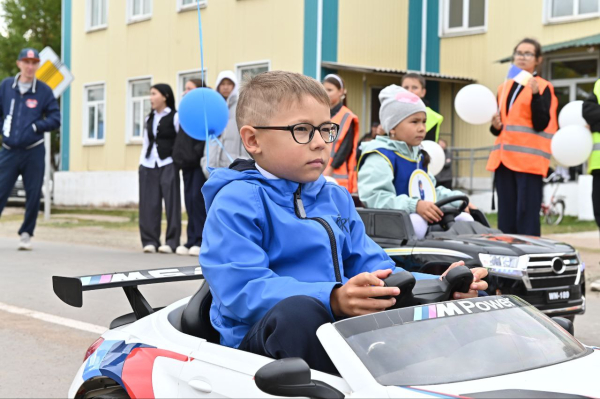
[(569, 10), (139, 10), (184, 77), (96, 11), (463, 17), (573, 77), (186, 5), (94, 113), (138, 107), (248, 70)]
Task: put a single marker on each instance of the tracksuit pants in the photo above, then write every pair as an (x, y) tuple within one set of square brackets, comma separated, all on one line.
[(158, 184), (30, 164), (289, 329), (193, 180), (519, 201)]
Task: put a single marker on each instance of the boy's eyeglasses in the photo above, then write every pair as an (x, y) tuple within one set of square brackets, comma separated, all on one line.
[(303, 133), (527, 55)]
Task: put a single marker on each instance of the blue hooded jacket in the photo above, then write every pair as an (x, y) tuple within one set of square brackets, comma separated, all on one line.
[(266, 240)]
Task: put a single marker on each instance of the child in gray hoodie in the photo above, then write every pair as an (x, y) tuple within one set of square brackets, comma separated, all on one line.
[(391, 174)]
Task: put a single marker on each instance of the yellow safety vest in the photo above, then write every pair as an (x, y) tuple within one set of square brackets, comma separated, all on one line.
[(594, 162), (433, 119)]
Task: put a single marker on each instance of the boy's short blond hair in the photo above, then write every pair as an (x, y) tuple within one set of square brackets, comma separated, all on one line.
[(264, 95)]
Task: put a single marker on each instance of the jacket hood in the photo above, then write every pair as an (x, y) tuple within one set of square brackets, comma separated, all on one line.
[(393, 145), (281, 191), (228, 75)]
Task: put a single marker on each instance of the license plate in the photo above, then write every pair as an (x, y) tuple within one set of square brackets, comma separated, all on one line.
[(558, 296), (20, 193)]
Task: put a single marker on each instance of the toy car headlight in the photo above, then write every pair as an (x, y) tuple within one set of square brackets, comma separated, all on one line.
[(499, 261)]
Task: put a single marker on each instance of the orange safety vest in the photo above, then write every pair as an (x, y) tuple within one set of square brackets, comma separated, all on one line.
[(346, 175), (518, 146)]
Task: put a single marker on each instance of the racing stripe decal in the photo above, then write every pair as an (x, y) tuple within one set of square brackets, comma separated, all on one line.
[(137, 370), (433, 394)]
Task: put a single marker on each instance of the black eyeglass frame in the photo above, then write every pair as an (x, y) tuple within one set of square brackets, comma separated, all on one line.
[(290, 129)]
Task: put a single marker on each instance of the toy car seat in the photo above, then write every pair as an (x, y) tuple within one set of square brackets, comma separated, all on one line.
[(195, 319)]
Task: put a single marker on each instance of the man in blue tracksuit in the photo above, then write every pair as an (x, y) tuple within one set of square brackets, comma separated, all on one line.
[(27, 110)]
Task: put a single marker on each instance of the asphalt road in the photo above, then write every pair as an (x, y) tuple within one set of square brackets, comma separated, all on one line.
[(39, 358)]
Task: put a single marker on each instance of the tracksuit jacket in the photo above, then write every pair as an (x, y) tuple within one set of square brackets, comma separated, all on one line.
[(266, 240), (34, 113)]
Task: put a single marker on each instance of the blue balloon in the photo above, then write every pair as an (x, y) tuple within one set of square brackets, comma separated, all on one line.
[(198, 103)]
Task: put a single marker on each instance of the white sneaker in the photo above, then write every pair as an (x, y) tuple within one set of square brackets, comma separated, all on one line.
[(25, 242), (165, 249), (149, 249), (194, 251), (595, 285), (181, 250)]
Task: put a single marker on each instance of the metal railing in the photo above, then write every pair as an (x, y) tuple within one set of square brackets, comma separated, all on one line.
[(471, 155)]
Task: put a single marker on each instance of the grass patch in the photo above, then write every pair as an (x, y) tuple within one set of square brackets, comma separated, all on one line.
[(570, 224)]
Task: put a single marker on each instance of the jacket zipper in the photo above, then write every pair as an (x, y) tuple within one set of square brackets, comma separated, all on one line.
[(301, 213)]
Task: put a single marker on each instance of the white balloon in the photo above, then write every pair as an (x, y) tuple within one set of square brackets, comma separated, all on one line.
[(572, 145), (438, 157), (476, 104), (571, 114)]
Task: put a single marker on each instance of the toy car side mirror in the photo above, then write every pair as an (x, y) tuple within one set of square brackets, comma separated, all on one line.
[(566, 324), (291, 378)]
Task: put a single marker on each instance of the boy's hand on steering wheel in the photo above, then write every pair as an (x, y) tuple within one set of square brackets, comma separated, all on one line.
[(429, 211), (356, 297), (479, 273)]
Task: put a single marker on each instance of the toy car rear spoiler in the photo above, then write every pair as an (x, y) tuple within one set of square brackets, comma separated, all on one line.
[(70, 289)]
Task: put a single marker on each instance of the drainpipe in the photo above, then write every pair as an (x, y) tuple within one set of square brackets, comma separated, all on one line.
[(424, 37), (319, 38), (364, 104)]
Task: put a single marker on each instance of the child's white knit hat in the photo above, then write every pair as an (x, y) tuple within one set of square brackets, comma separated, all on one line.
[(397, 104)]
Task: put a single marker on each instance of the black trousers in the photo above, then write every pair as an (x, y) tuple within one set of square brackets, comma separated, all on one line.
[(193, 180), (289, 329), (519, 201), (30, 164), (158, 184), (596, 196)]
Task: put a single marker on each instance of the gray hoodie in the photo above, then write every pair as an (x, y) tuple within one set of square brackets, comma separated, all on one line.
[(219, 157)]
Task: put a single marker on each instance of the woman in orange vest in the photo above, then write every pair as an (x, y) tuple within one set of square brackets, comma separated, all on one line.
[(521, 154), (342, 164)]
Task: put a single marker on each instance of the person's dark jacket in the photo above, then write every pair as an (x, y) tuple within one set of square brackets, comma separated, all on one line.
[(345, 149), (446, 174), (540, 108), (34, 113), (591, 112), (187, 151)]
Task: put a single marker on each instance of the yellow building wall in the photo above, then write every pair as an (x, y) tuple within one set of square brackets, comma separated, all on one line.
[(479, 53), (234, 32), (373, 33)]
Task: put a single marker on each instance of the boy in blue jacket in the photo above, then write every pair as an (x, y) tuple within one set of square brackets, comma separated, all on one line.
[(285, 252)]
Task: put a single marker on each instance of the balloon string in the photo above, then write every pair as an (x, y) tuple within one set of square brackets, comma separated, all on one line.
[(203, 81)]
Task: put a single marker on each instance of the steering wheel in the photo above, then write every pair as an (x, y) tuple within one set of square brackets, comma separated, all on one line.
[(450, 213)]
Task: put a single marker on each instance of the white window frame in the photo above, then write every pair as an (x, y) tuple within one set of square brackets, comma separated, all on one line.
[(88, 17), (131, 19), (180, 76), (444, 20), (572, 83), (189, 7), (548, 19), (86, 140), (252, 64), (129, 138)]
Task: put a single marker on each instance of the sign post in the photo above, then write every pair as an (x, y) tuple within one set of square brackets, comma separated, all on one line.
[(56, 75)]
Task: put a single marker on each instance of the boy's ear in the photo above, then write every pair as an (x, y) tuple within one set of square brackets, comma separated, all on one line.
[(249, 139)]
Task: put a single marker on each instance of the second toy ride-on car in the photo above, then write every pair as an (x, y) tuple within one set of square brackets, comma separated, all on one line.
[(546, 273)]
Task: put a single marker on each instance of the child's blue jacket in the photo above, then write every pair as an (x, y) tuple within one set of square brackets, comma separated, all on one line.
[(260, 247)]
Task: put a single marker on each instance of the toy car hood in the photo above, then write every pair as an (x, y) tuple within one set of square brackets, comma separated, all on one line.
[(507, 244), (545, 382)]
